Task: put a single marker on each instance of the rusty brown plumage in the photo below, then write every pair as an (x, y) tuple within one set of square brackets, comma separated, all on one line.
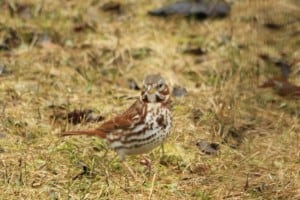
[(143, 126)]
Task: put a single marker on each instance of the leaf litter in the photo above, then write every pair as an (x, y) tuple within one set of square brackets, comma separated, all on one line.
[(162, 39), (76, 116), (280, 84), (207, 147), (199, 9)]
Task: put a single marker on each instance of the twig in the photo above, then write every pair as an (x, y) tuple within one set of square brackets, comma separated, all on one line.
[(152, 186)]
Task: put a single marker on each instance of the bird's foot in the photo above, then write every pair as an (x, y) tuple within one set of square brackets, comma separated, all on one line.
[(147, 163)]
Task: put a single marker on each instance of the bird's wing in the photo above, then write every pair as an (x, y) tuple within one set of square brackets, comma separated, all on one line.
[(133, 115)]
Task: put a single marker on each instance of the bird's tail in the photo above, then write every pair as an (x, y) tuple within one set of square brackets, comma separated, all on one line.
[(90, 132)]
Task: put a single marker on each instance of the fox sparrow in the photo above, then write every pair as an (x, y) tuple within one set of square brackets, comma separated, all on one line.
[(141, 128)]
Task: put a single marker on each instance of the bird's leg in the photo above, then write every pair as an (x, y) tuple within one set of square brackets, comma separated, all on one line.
[(130, 170), (122, 159), (146, 162)]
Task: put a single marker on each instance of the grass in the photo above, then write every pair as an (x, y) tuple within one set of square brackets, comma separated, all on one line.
[(73, 55)]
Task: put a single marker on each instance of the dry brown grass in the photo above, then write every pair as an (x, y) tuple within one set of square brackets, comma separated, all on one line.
[(257, 129)]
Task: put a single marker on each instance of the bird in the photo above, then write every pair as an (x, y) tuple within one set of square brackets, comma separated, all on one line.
[(144, 126)]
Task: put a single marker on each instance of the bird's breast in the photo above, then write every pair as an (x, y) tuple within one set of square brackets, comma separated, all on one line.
[(147, 134)]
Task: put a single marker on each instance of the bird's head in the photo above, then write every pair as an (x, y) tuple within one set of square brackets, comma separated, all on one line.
[(155, 89)]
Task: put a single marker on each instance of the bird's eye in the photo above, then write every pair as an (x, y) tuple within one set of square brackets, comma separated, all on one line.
[(160, 85)]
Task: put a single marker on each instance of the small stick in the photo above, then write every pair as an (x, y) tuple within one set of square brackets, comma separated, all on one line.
[(152, 186)]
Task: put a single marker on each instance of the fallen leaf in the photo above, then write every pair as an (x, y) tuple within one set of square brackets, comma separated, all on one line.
[(76, 116), (111, 6), (281, 63), (208, 148), (234, 136), (82, 26), (265, 57), (282, 87), (198, 51), (273, 26), (198, 169), (179, 91), (276, 25), (198, 9)]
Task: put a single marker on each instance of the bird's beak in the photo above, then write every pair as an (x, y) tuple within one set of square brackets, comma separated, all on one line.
[(151, 91)]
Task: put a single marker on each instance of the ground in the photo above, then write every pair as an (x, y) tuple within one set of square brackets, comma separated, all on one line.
[(58, 56)]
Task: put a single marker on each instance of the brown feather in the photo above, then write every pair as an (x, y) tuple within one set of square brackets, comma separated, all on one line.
[(126, 119), (142, 127), (123, 122)]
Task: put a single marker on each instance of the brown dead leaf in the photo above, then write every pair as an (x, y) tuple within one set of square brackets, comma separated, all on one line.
[(282, 64), (282, 86), (80, 27), (76, 116), (273, 26), (234, 136), (208, 148), (111, 6), (197, 51), (198, 169), (83, 26)]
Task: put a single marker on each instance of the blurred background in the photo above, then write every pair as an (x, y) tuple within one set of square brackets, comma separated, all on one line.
[(234, 69)]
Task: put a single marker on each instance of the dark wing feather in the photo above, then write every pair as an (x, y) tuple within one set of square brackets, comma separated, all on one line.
[(126, 119)]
